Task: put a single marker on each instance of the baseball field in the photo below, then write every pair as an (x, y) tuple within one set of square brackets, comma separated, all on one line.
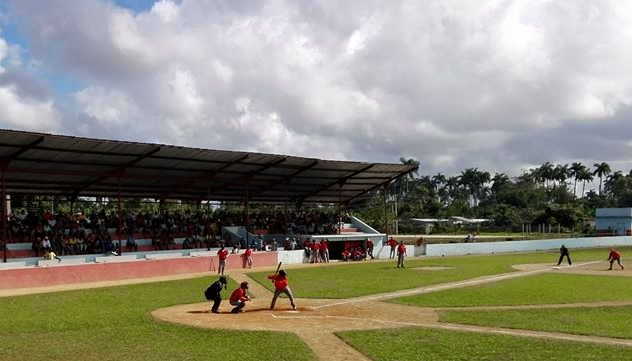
[(501, 307)]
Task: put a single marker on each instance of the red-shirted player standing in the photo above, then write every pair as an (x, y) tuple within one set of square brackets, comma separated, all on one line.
[(248, 257), (401, 253), (614, 256), (281, 286), (393, 243), (222, 254), (369, 247)]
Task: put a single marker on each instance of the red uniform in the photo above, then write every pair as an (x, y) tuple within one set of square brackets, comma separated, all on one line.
[(238, 295), (248, 252), (392, 242), (614, 255), (280, 282), (401, 249), (223, 254)]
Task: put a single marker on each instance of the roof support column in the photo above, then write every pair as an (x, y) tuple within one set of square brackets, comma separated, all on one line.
[(3, 213), (247, 216), (385, 209), (120, 217), (340, 208)]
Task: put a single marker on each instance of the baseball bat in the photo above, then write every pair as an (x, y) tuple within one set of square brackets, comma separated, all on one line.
[(278, 267)]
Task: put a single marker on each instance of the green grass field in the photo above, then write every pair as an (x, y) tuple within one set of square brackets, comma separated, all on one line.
[(600, 321), (359, 279), (540, 289), (420, 344), (114, 324)]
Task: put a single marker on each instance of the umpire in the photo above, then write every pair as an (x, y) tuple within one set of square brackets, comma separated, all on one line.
[(564, 253), (212, 293)]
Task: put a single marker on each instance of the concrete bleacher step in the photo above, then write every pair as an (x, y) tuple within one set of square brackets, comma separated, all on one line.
[(64, 262), (203, 254), (117, 259), (164, 256), (13, 265)]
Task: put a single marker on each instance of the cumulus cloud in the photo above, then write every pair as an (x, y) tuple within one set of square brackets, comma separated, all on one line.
[(24, 103), (453, 83)]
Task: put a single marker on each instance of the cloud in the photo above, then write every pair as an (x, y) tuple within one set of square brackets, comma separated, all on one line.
[(491, 84), (24, 103)]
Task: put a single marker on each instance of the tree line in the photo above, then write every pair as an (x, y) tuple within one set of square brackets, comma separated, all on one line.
[(556, 194)]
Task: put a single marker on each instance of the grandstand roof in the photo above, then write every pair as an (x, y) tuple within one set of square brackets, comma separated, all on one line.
[(47, 164)]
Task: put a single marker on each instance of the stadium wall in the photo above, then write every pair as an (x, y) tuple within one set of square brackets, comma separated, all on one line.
[(97, 272), (457, 249)]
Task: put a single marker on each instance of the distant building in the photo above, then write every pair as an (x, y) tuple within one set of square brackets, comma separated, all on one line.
[(617, 221)]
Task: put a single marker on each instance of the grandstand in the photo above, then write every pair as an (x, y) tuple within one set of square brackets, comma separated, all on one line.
[(73, 168)]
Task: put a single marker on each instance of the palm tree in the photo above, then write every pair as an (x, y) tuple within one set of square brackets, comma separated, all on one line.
[(601, 169), (412, 174), (545, 173), (575, 170), (560, 174), (585, 176)]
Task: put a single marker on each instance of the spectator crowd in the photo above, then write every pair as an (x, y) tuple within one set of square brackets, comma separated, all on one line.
[(100, 231)]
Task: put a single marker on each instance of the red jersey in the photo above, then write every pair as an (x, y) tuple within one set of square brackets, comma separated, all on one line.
[(315, 246), (324, 245), (614, 255), (222, 254), (392, 243), (238, 295), (280, 282), (248, 252), (401, 249)]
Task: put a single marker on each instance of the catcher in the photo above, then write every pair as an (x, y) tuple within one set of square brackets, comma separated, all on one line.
[(281, 286), (239, 297)]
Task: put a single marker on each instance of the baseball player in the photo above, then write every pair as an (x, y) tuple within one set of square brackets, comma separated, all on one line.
[(614, 256), (248, 258), (564, 253), (213, 293), (324, 251), (369, 247), (393, 243), (239, 297), (401, 253), (222, 254), (281, 286)]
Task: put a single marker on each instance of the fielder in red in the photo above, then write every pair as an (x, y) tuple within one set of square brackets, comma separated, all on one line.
[(222, 254), (281, 286), (248, 258), (614, 256), (393, 243), (401, 253)]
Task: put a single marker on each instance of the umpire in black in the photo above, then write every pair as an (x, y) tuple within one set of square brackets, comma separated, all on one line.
[(564, 253), (212, 293)]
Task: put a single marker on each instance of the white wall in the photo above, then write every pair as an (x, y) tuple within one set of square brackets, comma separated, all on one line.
[(385, 252), (454, 249), (290, 257)]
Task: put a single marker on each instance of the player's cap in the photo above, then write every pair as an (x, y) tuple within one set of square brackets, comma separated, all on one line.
[(243, 285)]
